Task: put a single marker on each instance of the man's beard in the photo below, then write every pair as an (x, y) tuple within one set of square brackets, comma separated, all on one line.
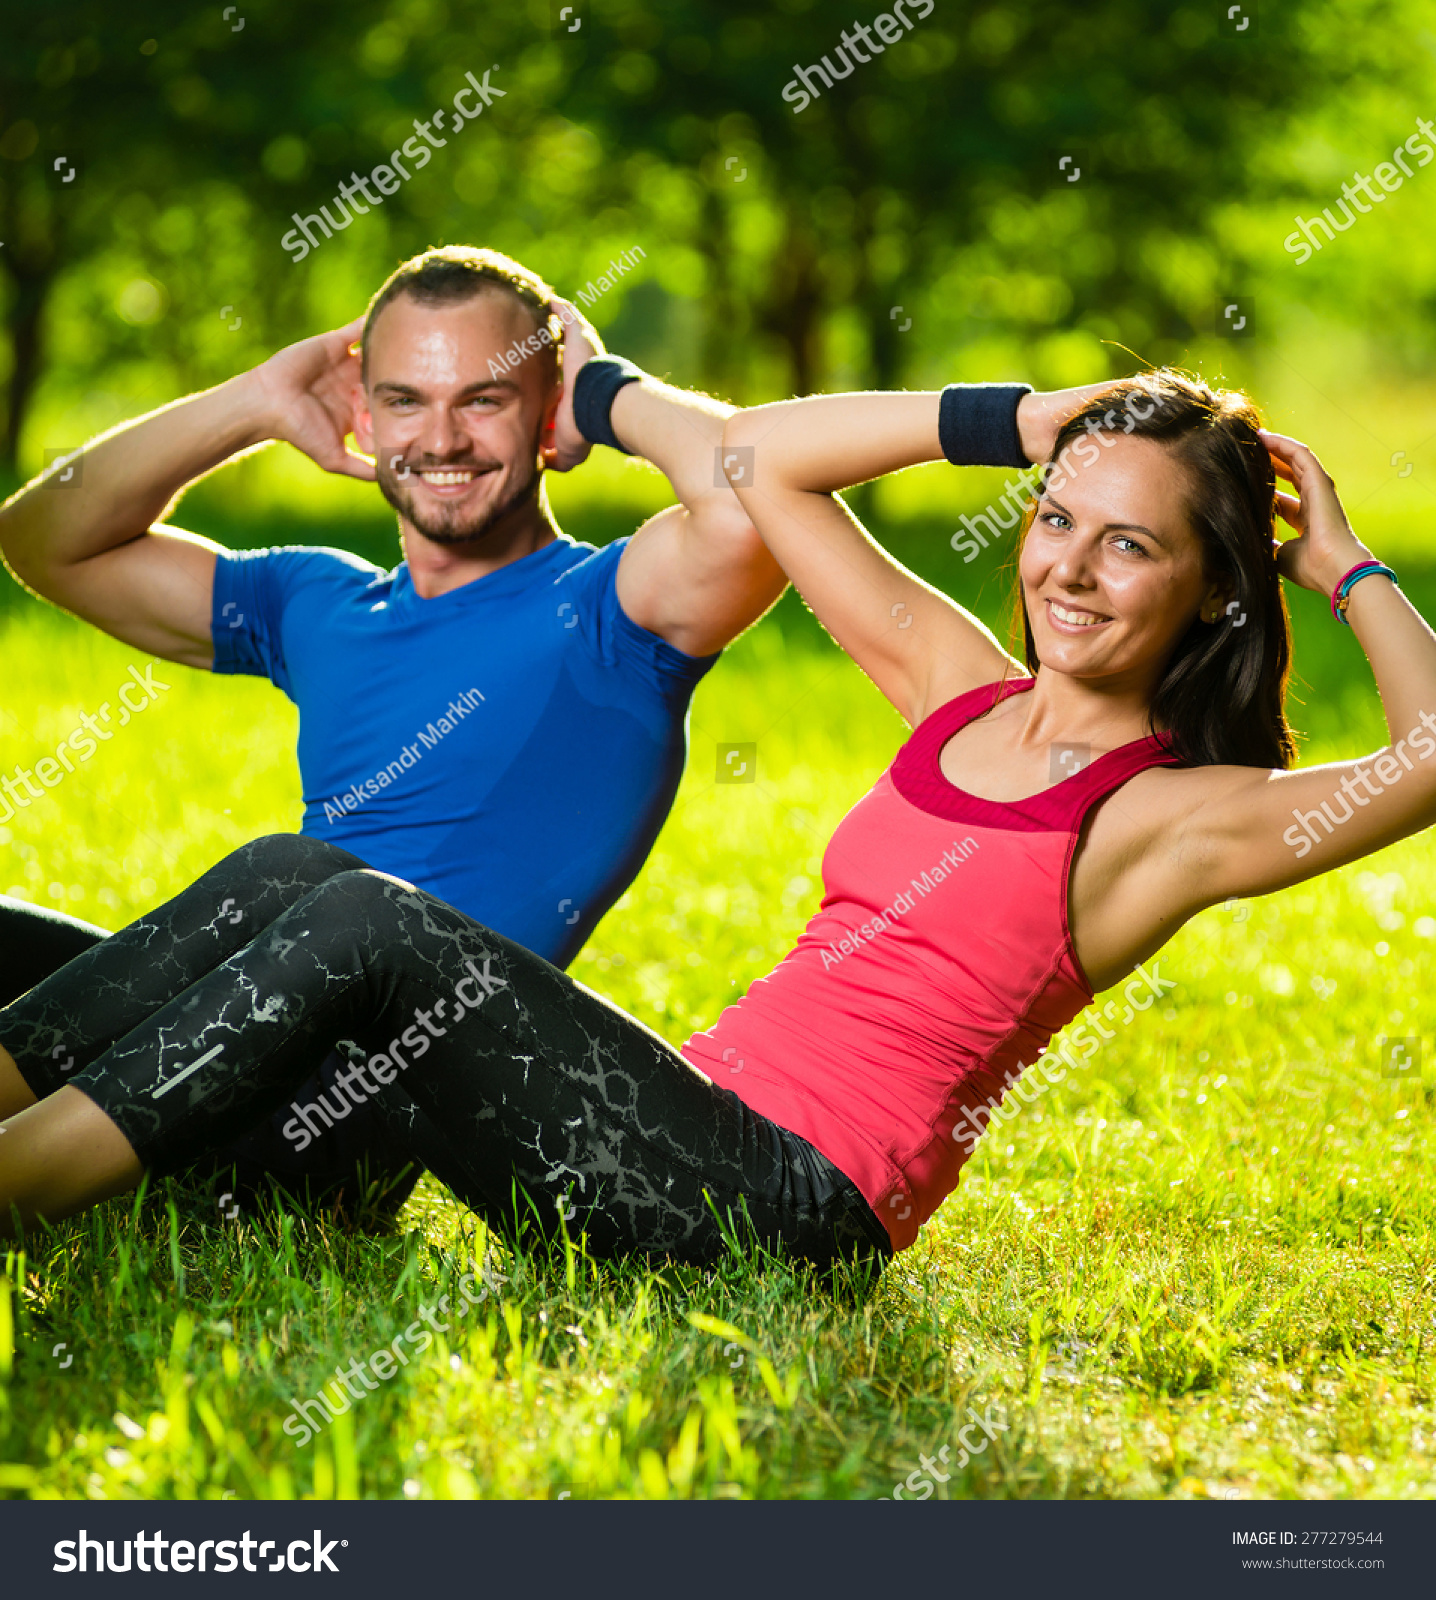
[(445, 525)]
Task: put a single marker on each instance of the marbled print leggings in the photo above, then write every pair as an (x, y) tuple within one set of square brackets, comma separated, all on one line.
[(525, 1092)]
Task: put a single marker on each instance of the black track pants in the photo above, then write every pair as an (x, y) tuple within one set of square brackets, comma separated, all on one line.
[(363, 1154), (531, 1096)]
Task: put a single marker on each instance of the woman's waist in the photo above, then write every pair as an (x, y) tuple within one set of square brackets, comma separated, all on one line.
[(878, 1089), (879, 1008)]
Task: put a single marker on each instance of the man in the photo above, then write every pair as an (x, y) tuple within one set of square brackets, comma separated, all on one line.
[(500, 719)]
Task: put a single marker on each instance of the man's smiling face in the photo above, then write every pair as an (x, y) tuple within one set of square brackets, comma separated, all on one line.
[(456, 448)]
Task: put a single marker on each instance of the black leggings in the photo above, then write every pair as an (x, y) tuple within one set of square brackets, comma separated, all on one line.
[(365, 1158), (35, 942), (529, 1095)]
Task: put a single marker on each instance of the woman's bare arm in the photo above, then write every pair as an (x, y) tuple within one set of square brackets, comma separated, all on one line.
[(1255, 831), (917, 644)]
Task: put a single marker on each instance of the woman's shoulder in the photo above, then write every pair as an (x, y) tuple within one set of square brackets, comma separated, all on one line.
[(1153, 849)]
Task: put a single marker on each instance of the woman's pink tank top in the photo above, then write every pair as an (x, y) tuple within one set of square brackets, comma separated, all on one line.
[(939, 963)]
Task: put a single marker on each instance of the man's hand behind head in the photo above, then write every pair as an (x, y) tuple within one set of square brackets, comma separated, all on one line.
[(565, 447), (309, 390)]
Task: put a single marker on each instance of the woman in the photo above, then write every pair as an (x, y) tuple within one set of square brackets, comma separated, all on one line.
[(1134, 775)]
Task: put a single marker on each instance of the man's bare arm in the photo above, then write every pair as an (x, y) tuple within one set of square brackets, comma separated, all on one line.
[(700, 574), (696, 574), (100, 547)]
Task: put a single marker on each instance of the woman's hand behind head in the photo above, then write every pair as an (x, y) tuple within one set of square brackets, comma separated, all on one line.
[(1325, 547)]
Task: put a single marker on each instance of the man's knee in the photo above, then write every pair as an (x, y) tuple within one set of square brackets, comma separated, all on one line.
[(293, 857), (360, 888)]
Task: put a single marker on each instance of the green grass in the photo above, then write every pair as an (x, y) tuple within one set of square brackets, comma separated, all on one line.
[(1203, 1266)]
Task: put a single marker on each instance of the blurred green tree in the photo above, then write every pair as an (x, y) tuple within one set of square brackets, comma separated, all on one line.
[(801, 230)]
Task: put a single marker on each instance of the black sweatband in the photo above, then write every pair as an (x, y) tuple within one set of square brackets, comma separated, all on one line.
[(977, 424), (598, 381)]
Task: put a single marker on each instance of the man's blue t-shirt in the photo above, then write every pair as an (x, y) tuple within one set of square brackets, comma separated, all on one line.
[(512, 746)]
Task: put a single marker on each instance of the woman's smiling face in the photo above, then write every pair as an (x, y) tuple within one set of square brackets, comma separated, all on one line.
[(1111, 568)]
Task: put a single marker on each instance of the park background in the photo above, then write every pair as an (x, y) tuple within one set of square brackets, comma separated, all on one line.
[(1204, 1266)]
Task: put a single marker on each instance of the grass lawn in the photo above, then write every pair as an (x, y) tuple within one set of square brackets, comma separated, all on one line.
[(1202, 1266)]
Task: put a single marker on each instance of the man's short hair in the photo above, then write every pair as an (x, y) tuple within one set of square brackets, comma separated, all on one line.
[(453, 273)]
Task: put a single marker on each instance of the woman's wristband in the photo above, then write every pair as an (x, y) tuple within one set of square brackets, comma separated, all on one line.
[(598, 381), (1341, 594), (977, 424)]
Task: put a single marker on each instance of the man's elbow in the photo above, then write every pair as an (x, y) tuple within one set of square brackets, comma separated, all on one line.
[(724, 522), (36, 582), (19, 551), (29, 561)]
